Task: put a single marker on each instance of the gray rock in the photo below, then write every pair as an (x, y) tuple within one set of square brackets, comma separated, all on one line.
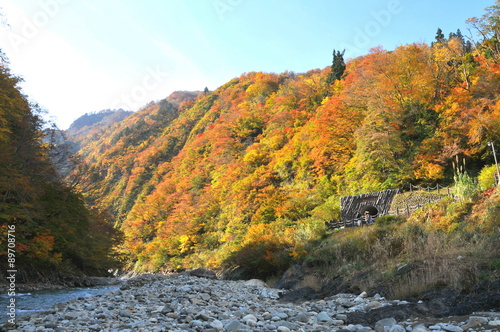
[(203, 315), (419, 328), (385, 324), (166, 309), (101, 316), (197, 323), (217, 325), (302, 317), (256, 283), (235, 326), (397, 328), (451, 328), (283, 329), (286, 324), (494, 322), (373, 305), (323, 317), (474, 321), (280, 315), (70, 316), (124, 313), (185, 289), (360, 328), (50, 325), (341, 317)]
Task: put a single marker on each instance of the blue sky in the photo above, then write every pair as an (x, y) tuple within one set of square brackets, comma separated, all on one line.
[(85, 56)]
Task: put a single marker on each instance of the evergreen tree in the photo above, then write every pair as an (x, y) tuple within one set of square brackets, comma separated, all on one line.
[(338, 67), (439, 36), (468, 46)]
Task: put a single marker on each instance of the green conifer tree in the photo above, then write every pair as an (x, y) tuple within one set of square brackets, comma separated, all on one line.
[(439, 36), (338, 67)]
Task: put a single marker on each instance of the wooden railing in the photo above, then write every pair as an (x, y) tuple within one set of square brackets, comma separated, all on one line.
[(437, 193), (439, 188), (416, 201), (407, 210), (346, 224)]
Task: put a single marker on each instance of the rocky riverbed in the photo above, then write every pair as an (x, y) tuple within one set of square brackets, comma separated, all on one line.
[(187, 302)]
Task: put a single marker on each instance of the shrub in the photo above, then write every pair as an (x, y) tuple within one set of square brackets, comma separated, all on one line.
[(389, 220), (486, 178), (260, 259), (446, 215), (486, 214), (466, 187)]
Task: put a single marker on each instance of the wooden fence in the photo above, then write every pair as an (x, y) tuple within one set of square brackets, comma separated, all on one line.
[(432, 195), (345, 224), (440, 189), (407, 210)]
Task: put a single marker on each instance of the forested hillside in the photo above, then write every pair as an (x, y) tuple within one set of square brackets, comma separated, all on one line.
[(246, 175), (45, 218)]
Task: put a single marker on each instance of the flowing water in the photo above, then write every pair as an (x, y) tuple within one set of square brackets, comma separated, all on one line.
[(35, 301)]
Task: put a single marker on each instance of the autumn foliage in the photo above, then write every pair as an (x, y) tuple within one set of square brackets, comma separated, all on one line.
[(246, 175)]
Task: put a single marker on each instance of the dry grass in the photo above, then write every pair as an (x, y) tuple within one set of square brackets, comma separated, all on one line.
[(438, 259), (407, 259), (458, 273)]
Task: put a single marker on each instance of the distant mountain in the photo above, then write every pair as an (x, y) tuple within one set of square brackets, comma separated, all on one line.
[(91, 122)]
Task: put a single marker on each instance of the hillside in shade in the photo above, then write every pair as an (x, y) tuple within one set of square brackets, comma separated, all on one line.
[(47, 230)]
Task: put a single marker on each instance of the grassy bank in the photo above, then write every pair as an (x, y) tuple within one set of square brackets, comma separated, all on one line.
[(451, 243)]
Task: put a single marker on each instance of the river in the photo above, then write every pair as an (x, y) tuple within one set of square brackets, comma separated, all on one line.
[(35, 301)]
